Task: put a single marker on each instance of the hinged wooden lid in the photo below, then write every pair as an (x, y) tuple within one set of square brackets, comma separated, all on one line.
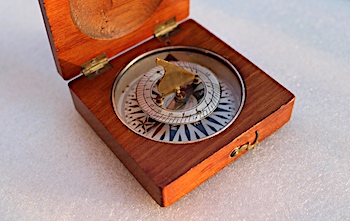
[(80, 30)]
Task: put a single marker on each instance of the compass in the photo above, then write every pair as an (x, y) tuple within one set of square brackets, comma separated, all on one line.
[(178, 94)]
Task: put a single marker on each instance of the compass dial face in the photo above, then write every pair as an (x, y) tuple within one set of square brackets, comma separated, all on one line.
[(211, 106)]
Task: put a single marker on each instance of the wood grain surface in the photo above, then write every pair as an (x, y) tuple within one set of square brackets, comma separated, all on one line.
[(111, 19), (169, 171)]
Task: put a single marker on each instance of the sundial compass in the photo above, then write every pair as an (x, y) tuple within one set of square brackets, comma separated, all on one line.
[(195, 96)]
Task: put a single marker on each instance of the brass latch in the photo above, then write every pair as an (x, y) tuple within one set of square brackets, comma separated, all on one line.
[(247, 146), (166, 29), (96, 66)]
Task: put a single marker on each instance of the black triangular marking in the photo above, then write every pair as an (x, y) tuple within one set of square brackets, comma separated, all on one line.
[(170, 57)]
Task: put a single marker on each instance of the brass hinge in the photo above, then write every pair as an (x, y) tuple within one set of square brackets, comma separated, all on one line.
[(96, 66), (166, 29)]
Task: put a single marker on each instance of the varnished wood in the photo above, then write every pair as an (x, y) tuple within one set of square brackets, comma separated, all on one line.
[(75, 38), (111, 19), (168, 171)]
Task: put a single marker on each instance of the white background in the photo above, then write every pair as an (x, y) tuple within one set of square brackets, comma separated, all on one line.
[(54, 167)]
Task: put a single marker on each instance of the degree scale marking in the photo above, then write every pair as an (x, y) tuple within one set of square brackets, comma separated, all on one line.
[(231, 99), (147, 127), (164, 115)]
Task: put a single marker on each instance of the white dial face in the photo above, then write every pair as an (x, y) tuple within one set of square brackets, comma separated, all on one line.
[(211, 107), (203, 97)]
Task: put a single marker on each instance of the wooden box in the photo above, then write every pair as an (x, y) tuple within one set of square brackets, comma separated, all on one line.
[(81, 30)]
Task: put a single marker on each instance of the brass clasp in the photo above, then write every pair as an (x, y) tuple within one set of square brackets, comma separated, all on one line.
[(246, 146)]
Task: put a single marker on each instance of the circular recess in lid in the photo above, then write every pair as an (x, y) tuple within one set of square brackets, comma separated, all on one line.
[(109, 19)]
